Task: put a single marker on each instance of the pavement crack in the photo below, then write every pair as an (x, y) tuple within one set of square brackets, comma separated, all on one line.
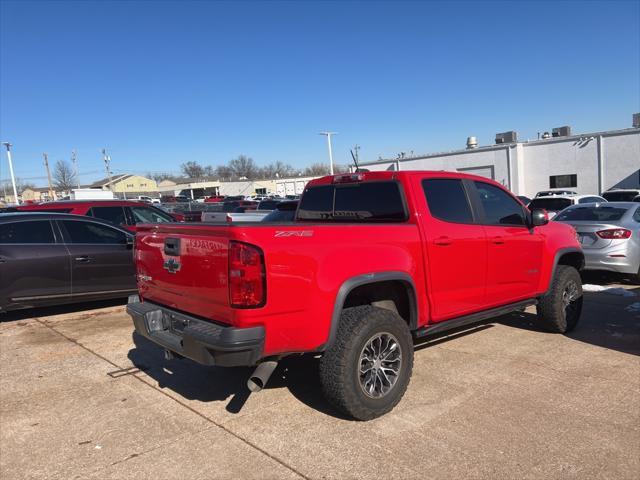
[(184, 405)]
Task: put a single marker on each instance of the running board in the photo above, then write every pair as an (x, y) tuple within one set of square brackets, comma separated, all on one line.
[(454, 323)]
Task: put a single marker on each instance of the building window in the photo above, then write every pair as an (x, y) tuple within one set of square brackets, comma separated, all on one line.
[(261, 191), (563, 181), (143, 184), (129, 185)]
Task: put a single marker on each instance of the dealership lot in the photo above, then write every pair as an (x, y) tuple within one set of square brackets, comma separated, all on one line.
[(82, 397)]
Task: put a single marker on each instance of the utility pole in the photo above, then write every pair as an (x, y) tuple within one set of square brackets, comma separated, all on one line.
[(13, 179), (356, 151), (107, 162), (328, 135), (74, 161), (52, 195)]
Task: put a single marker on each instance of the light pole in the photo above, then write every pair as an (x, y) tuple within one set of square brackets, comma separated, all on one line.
[(13, 179), (328, 135)]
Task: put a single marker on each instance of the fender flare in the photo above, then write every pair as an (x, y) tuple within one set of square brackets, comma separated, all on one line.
[(365, 279), (556, 260)]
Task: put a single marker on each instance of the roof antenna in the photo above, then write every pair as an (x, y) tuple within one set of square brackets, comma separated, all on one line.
[(355, 161)]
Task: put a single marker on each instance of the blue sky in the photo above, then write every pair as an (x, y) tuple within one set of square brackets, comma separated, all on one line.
[(161, 83)]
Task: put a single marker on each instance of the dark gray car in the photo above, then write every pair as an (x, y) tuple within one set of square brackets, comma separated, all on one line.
[(48, 258)]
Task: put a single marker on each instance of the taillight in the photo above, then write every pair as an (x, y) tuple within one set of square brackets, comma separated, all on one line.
[(247, 279), (348, 178), (614, 233)]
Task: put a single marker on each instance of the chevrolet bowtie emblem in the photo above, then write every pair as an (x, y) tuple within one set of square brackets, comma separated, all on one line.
[(171, 265)]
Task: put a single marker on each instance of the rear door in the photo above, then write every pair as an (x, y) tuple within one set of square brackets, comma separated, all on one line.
[(514, 251), (101, 258), (34, 264), (456, 248)]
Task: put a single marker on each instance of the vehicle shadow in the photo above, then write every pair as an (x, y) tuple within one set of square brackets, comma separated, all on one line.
[(607, 321), (70, 308)]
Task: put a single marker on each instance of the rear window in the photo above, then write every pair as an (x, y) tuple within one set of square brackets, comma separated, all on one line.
[(447, 200), (554, 204), (620, 196), (592, 214), (114, 215), (38, 231), (354, 202)]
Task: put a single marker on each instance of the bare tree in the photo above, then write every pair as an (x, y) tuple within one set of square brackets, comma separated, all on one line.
[(316, 170), (244, 167), (224, 172), (192, 169), (158, 176), (63, 176)]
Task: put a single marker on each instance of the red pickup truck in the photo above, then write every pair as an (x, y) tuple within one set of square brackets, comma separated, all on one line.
[(372, 260)]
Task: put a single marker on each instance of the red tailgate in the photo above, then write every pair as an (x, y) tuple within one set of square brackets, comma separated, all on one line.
[(185, 267)]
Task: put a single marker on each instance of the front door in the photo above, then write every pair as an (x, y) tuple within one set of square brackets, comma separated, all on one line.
[(456, 249), (101, 258), (514, 249), (34, 267)]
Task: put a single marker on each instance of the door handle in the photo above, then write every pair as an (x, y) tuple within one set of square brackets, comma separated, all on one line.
[(443, 241), (83, 259), (498, 240)]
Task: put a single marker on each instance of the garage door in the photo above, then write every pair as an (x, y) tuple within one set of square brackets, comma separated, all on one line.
[(486, 171)]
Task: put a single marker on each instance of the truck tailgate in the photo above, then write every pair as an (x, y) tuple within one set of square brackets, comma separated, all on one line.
[(185, 267)]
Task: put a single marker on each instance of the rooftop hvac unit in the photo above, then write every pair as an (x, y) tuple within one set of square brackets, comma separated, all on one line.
[(636, 120), (507, 137), (561, 131)]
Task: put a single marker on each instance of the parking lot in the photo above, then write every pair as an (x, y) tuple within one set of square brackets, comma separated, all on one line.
[(82, 397)]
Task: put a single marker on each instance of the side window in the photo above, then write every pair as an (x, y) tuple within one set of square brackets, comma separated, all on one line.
[(149, 215), (499, 207), (636, 216), (38, 231), (114, 215), (447, 200), (94, 233)]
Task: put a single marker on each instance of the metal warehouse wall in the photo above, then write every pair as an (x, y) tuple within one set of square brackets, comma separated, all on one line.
[(599, 160)]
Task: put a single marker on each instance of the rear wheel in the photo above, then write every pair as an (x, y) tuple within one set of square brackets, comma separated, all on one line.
[(367, 369), (559, 310)]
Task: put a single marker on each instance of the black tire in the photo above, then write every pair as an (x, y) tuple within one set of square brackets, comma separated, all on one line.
[(559, 310), (340, 366)]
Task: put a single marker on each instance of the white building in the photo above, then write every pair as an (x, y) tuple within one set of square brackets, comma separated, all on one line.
[(589, 163)]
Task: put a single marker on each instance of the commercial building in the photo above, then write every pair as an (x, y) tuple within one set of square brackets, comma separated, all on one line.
[(588, 163), (127, 186)]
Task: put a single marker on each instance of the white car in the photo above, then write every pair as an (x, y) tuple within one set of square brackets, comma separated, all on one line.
[(554, 204)]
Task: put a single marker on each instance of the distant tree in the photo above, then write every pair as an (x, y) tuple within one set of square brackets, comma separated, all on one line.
[(244, 167), (224, 172), (209, 171), (316, 170), (63, 176), (192, 169), (158, 176)]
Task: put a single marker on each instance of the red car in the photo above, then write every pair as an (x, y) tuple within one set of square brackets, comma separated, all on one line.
[(215, 199), (371, 261), (125, 213)]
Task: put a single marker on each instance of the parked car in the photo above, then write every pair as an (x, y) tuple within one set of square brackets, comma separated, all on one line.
[(174, 199), (550, 193), (215, 199), (232, 206), (284, 212), (268, 204), (373, 260), (621, 195), (125, 213), (609, 234), (636, 198), (556, 203), (53, 258), (148, 199)]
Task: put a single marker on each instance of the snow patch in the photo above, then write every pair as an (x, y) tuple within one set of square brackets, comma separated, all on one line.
[(587, 287)]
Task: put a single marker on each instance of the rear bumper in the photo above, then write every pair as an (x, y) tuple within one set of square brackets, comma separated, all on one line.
[(606, 259), (199, 340)]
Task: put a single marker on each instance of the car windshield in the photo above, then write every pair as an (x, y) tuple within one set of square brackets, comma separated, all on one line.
[(620, 196), (150, 215), (598, 213), (553, 204)]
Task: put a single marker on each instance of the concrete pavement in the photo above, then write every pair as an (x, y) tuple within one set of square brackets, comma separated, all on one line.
[(82, 397)]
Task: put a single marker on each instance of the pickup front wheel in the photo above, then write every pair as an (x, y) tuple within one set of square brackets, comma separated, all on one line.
[(367, 369), (559, 310)]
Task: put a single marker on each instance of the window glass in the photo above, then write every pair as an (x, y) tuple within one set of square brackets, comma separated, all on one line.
[(620, 196), (598, 214), (447, 200), (89, 232), (38, 231), (114, 215), (149, 215), (553, 204), (636, 215), (499, 207), (563, 181), (354, 202), (590, 200)]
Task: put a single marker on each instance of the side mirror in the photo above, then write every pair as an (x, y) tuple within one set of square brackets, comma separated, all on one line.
[(539, 217)]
